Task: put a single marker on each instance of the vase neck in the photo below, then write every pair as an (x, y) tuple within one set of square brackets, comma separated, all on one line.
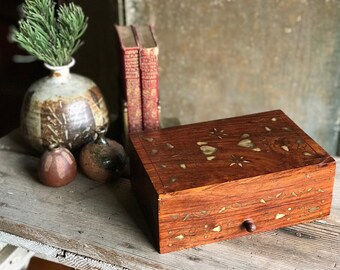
[(60, 72), (101, 131)]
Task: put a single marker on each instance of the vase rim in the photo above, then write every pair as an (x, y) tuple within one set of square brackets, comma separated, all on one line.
[(69, 65), (53, 146)]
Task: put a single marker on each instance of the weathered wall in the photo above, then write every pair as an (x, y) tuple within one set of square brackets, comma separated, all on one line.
[(224, 58)]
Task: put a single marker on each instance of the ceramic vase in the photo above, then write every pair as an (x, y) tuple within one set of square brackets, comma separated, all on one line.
[(62, 108), (57, 166), (103, 159)]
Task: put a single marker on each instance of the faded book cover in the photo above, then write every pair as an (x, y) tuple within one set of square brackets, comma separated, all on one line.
[(148, 61), (133, 97)]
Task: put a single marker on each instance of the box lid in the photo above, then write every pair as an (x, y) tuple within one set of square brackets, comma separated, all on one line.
[(214, 152)]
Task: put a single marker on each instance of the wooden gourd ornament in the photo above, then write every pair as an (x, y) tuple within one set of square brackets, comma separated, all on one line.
[(103, 159), (58, 166)]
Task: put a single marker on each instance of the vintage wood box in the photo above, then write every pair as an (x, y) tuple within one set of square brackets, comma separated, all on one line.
[(211, 181)]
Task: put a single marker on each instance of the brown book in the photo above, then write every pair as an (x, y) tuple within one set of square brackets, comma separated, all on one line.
[(148, 61), (133, 96)]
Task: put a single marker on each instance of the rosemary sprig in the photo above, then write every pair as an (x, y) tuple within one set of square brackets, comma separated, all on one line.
[(52, 39)]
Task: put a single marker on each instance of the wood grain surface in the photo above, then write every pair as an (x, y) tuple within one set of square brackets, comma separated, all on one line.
[(226, 150), (209, 178), (103, 224)]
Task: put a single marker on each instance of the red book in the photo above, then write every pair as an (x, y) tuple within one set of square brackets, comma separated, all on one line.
[(133, 96), (148, 61)]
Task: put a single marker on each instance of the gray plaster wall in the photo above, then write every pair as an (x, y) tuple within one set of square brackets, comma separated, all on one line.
[(222, 58)]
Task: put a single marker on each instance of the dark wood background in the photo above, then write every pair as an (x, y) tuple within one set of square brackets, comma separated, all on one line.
[(14, 78)]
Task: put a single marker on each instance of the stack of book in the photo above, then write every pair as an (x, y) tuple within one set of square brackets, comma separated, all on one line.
[(140, 67)]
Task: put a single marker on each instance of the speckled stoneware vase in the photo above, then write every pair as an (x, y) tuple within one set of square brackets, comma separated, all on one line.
[(103, 159), (58, 166), (62, 108)]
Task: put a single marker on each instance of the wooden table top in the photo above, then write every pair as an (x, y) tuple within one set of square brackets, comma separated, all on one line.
[(89, 225)]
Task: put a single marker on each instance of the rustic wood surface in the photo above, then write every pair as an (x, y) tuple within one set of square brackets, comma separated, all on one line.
[(96, 225), (14, 258)]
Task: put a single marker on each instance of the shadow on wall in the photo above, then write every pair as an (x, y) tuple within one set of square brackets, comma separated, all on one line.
[(224, 58)]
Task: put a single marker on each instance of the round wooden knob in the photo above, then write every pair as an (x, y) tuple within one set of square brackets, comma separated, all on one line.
[(249, 225)]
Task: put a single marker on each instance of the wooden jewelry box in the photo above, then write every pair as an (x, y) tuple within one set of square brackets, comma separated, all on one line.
[(211, 181)]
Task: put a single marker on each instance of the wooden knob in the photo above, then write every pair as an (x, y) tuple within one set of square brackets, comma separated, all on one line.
[(249, 225)]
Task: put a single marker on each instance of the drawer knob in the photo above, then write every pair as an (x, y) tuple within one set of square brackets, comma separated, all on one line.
[(249, 225)]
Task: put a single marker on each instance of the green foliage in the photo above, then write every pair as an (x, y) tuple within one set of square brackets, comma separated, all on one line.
[(51, 38)]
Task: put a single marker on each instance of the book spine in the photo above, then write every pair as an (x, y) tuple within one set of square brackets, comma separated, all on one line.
[(133, 90), (149, 82)]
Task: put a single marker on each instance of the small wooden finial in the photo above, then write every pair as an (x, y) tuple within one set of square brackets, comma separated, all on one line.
[(249, 225)]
